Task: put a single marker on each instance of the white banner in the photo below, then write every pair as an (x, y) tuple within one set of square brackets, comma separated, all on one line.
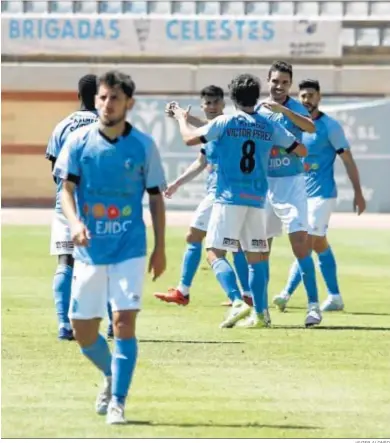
[(170, 37)]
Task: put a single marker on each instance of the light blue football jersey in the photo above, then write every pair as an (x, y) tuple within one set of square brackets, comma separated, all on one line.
[(111, 178), (243, 144), (212, 167), (282, 164), (328, 140), (61, 131)]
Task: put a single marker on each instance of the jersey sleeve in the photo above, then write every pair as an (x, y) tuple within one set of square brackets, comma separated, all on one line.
[(213, 130), (53, 147), (67, 166), (337, 137), (282, 137), (155, 181)]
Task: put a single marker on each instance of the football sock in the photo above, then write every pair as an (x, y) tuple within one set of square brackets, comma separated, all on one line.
[(294, 278), (191, 261), (62, 284), (123, 365), (242, 270), (328, 268), (306, 266), (227, 278), (258, 283), (99, 354)]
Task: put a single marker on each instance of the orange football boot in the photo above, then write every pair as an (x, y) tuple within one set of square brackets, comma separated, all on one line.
[(173, 296)]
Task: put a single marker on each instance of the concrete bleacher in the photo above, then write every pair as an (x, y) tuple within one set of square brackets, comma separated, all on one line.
[(366, 23), (346, 9)]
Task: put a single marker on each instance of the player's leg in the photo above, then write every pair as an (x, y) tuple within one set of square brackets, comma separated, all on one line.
[(110, 327), (242, 271), (62, 246), (320, 211), (87, 308), (126, 303), (253, 238), (192, 255), (296, 221), (222, 236)]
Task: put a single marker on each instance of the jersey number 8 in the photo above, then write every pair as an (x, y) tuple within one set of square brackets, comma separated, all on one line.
[(248, 163)]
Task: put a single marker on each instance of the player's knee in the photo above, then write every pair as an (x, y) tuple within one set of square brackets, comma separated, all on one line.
[(214, 254), (86, 331), (124, 324), (299, 244), (320, 244), (195, 236)]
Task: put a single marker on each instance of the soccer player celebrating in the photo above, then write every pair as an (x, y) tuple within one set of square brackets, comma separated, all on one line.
[(243, 142), (287, 201), (106, 168), (323, 147), (212, 104), (61, 243)]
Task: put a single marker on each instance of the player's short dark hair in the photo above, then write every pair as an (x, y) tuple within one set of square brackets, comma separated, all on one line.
[(309, 83), (117, 78), (281, 66), (87, 89), (245, 90), (212, 91)]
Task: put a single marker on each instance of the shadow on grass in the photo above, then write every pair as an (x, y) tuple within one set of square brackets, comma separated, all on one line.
[(192, 342), (368, 313), (217, 425), (335, 328)]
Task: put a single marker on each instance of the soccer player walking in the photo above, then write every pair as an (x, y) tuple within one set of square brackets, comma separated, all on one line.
[(243, 142), (106, 168), (323, 147), (61, 243)]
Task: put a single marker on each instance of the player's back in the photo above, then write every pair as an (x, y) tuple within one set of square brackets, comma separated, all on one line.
[(242, 153), (322, 147), (61, 132)]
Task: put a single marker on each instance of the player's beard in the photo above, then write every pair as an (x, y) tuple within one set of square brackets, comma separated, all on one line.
[(110, 122)]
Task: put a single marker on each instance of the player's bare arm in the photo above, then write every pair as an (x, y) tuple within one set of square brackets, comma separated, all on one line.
[(304, 123), (157, 261), (359, 203), (195, 168), (80, 234), (194, 121), (191, 136)]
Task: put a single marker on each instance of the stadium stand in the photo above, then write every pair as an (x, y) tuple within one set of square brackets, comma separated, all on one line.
[(346, 9)]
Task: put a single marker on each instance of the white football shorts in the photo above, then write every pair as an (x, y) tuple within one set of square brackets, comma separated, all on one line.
[(202, 214), (286, 205), (232, 224), (61, 240), (319, 212), (93, 286)]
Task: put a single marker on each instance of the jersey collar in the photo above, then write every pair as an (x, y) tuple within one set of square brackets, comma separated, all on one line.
[(125, 133)]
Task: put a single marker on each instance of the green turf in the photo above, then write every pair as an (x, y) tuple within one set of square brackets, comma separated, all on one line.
[(193, 379)]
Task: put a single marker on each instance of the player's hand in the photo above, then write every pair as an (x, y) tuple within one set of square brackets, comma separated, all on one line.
[(80, 234), (273, 106), (157, 263), (359, 203), (169, 107), (180, 113), (171, 189)]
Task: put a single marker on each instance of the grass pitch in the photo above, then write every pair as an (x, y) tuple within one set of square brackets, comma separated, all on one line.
[(193, 379)]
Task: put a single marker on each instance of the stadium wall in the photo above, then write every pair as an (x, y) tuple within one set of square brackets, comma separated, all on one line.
[(36, 97)]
